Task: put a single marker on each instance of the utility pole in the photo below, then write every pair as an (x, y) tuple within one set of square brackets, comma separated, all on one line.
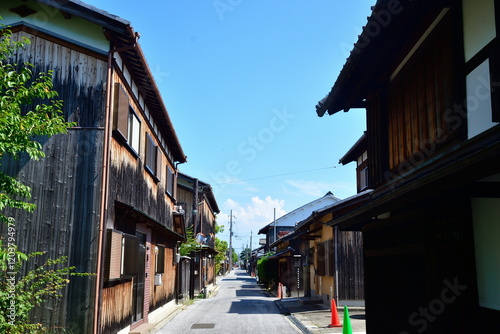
[(247, 260), (250, 259), (275, 234), (231, 240)]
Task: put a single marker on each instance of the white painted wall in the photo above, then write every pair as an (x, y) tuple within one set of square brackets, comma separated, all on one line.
[(479, 25), (479, 112), (47, 18)]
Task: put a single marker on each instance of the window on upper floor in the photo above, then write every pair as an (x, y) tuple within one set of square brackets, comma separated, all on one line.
[(126, 122), (134, 131), (363, 179), (362, 171), (153, 157), (362, 158), (170, 181)]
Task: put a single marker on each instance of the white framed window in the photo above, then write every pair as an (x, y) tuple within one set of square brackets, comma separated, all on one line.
[(363, 178), (134, 131)]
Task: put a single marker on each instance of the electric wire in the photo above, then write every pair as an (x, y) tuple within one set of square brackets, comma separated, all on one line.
[(276, 175)]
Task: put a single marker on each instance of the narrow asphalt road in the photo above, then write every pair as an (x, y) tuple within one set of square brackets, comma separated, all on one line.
[(239, 306)]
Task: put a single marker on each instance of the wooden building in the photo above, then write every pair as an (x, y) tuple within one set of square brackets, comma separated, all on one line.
[(291, 253), (317, 260), (427, 73), (286, 223), (201, 210), (106, 192)]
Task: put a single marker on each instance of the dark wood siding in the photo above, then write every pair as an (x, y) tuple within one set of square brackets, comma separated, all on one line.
[(185, 198), (413, 254), (66, 183), (350, 257), (420, 96), (137, 199), (164, 293), (132, 185), (325, 258), (377, 131), (130, 182)]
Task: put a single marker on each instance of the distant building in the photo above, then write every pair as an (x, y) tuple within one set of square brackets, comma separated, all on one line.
[(198, 201), (286, 223), (316, 260)]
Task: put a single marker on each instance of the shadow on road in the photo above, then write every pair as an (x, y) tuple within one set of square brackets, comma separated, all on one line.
[(253, 306), (249, 293), (246, 279), (243, 276)]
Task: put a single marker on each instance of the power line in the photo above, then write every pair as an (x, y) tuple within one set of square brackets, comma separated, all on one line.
[(277, 175)]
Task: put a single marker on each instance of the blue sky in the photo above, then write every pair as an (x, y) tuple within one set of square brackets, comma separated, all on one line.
[(240, 80)]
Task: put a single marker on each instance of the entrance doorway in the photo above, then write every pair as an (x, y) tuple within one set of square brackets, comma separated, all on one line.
[(139, 280)]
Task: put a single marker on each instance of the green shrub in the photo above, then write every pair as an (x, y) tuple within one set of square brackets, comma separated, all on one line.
[(20, 294), (267, 271)]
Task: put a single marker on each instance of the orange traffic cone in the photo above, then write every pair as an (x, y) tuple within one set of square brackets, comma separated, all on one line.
[(335, 316)]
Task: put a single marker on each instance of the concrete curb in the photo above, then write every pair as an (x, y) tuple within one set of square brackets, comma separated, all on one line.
[(176, 310), (299, 324), (281, 307), (286, 312)]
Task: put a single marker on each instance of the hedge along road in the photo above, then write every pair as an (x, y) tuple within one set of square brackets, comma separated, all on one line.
[(239, 306)]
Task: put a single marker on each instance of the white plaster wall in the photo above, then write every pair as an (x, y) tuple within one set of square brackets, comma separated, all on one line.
[(479, 111), (479, 25)]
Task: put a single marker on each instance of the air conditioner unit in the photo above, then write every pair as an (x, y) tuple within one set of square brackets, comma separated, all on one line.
[(178, 209), (158, 281), (177, 258)]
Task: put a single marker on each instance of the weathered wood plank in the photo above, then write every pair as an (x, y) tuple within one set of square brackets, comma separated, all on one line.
[(66, 183)]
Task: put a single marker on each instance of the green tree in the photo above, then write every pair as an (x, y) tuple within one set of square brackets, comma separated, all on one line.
[(190, 244), (235, 256), (221, 248), (20, 294), (245, 256), (29, 110)]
